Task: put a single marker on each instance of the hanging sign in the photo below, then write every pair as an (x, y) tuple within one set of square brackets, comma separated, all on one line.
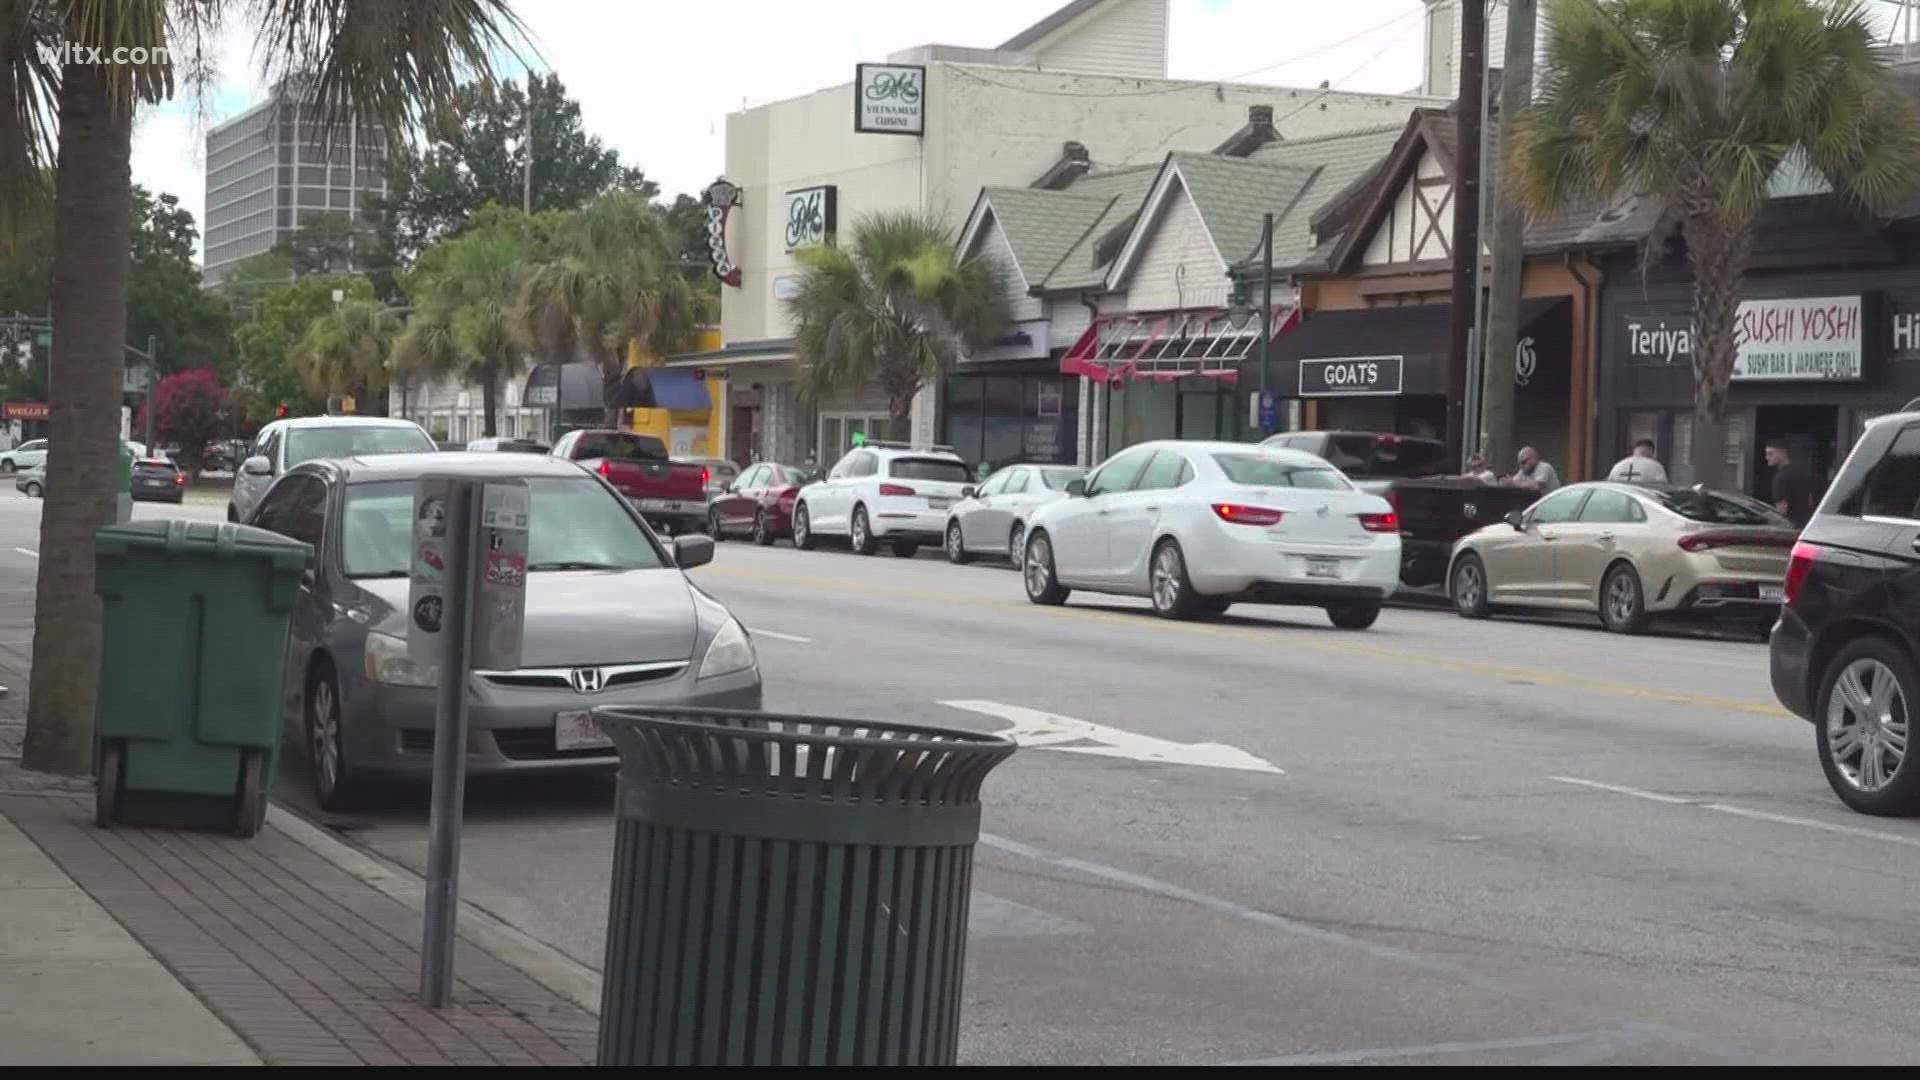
[(500, 590), (720, 198)]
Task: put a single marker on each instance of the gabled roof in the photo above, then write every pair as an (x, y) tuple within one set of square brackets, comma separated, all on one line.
[(1427, 131), (1040, 226), (1084, 264), (1063, 15)]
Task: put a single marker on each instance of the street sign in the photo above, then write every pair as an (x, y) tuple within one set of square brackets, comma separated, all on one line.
[(1267, 411), (501, 590)]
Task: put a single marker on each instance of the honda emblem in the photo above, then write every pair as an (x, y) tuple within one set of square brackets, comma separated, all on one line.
[(586, 680)]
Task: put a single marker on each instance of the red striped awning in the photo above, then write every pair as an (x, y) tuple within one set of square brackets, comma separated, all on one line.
[(1166, 345)]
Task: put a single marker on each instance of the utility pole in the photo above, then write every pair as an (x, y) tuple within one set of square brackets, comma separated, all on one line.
[(1466, 218), (1267, 419), (526, 178), (1503, 304), (153, 377)]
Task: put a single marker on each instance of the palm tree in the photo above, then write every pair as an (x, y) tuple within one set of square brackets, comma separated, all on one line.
[(893, 311), (1697, 104), (610, 283), (344, 352), (464, 291), (381, 62)]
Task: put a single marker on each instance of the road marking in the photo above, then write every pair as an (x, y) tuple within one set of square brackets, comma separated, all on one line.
[(1745, 812), (28, 552), (1264, 635), (1034, 729), (1524, 1042), (778, 636)]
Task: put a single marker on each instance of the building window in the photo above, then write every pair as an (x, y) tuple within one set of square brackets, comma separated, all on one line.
[(837, 430), (998, 420)]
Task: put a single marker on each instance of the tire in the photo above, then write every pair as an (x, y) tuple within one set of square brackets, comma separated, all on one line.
[(762, 535), (232, 514), (1214, 605), (1875, 667), (713, 525), (110, 782), (903, 550), (250, 794), (1467, 586), (1037, 572), (1354, 614), (957, 546), (333, 783), (803, 528), (1168, 584), (1623, 603), (7, 467), (860, 533), (1016, 541), (33, 490)]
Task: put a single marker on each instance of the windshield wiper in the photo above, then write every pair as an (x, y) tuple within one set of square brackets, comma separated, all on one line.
[(573, 566)]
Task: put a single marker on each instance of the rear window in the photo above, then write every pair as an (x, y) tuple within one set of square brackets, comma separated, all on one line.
[(1386, 455), (938, 469), (354, 440), (167, 467), (1254, 470), (1058, 479), (1722, 508), (621, 447)]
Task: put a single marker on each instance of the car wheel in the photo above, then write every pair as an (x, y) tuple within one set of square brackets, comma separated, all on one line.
[(110, 783), (713, 525), (1623, 607), (1862, 727), (862, 534), (1214, 605), (957, 546), (326, 747), (1354, 614), (1172, 592), (1016, 542), (6, 467), (1469, 587), (33, 490), (232, 514), (802, 528), (1037, 569), (761, 534), (903, 550)]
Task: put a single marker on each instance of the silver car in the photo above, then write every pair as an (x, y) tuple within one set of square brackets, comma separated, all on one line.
[(991, 519), (611, 620)]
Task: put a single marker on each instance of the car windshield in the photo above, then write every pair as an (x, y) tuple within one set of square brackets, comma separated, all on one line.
[(621, 447), (916, 468), (355, 440), (1058, 479), (1722, 508), (1386, 455), (576, 525), (1257, 470)]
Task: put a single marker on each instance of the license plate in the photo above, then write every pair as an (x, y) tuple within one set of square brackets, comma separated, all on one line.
[(664, 506), (1323, 568), (1775, 593), (578, 731), (938, 503)]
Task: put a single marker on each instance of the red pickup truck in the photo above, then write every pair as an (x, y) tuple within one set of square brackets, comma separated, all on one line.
[(670, 495)]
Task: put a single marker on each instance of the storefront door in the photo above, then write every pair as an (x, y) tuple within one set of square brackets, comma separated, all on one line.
[(1813, 438)]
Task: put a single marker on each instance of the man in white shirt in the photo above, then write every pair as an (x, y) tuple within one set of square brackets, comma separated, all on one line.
[(1639, 467), (1534, 473)]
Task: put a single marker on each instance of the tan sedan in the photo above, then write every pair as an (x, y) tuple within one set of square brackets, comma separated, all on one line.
[(1628, 553)]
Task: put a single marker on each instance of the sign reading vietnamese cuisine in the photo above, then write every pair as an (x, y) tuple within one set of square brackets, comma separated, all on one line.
[(1351, 376), (811, 214), (1802, 338), (890, 99)]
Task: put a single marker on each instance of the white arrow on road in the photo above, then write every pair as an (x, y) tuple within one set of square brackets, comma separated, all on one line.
[(1050, 731)]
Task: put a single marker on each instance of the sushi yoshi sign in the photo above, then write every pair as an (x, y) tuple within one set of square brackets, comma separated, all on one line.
[(890, 99)]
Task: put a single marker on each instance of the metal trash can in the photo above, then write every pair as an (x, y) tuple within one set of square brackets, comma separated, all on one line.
[(195, 618), (788, 890)]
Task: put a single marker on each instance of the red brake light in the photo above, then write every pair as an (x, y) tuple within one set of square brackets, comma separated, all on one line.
[(1241, 514), (606, 467), (1381, 523), (1707, 541), (1799, 565), (705, 475), (179, 479), (895, 489)]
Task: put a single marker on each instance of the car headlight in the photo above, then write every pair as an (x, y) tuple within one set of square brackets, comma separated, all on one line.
[(729, 652), (388, 662)]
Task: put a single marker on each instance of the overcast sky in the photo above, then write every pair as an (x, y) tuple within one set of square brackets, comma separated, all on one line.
[(656, 80)]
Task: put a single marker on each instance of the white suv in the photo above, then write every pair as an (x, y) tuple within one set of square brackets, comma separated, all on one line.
[(283, 444), (883, 493)]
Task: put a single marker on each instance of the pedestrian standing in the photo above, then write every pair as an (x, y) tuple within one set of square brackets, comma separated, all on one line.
[(1640, 466), (1792, 487)]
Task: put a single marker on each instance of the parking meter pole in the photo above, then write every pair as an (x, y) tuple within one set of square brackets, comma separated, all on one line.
[(449, 753), (123, 496)]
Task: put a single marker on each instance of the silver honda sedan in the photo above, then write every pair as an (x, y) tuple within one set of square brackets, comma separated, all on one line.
[(611, 619)]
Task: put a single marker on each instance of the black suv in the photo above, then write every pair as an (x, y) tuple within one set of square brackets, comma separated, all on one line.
[(1844, 649)]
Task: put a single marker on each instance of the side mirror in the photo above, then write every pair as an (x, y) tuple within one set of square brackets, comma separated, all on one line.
[(692, 551), (257, 465), (1518, 520), (968, 491), (1076, 487)]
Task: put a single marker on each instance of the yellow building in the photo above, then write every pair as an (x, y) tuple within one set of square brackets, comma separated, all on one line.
[(692, 419)]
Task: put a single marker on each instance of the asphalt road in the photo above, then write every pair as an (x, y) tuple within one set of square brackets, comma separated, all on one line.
[(1436, 841)]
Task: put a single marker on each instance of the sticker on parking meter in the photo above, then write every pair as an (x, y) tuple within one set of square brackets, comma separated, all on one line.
[(500, 589), (426, 591)]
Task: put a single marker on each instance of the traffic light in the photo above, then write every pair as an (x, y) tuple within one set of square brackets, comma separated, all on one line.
[(280, 412)]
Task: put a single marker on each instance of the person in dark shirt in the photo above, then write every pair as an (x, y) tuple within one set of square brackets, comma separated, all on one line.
[(1792, 489)]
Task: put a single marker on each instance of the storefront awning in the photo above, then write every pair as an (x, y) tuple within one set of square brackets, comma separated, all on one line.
[(571, 386), (663, 388), (1416, 338), (1167, 345)]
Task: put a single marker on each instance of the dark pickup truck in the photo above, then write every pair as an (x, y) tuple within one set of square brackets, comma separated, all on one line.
[(670, 495), (1436, 506)]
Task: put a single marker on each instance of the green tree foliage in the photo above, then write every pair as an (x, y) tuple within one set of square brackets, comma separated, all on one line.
[(265, 343), (191, 409)]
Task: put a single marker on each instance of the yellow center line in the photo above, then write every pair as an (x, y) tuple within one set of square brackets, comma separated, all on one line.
[(1264, 636)]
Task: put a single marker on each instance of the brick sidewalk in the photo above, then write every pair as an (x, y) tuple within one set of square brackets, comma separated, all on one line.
[(308, 964)]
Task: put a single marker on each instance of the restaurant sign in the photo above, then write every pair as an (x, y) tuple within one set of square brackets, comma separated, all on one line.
[(890, 99), (25, 410), (1799, 339), (1352, 376), (811, 216)]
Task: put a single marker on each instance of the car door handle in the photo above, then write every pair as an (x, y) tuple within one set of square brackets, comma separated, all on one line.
[(1607, 536), (1153, 509)]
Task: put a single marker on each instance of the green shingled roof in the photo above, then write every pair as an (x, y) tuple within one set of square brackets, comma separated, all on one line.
[(1342, 160), (1123, 190), (1042, 226)]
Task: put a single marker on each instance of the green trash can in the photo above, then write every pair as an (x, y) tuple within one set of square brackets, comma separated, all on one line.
[(195, 619)]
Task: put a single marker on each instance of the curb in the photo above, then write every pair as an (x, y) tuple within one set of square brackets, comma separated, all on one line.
[(570, 979)]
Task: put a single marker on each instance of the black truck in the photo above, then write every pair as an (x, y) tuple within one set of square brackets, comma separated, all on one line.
[(1436, 505)]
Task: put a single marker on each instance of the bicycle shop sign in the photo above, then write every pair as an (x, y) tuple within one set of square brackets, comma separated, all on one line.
[(1799, 339)]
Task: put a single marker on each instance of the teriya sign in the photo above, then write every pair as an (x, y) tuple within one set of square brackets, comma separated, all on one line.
[(1816, 338), (1352, 376)]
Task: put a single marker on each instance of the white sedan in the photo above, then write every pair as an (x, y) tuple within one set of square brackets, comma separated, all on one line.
[(992, 518), (1197, 526)]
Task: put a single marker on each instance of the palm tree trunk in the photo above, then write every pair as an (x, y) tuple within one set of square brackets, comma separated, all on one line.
[(91, 230), (610, 373), (1718, 251), (489, 404)]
